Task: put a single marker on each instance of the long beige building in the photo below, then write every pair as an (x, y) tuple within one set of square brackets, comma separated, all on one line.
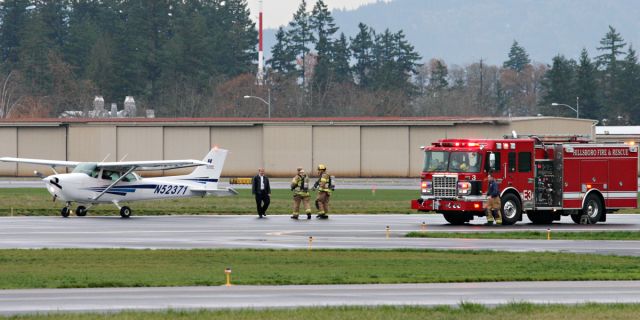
[(350, 147)]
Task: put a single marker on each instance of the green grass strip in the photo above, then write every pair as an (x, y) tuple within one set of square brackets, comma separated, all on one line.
[(465, 311), (536, 235), (37, 202), (84, 268)]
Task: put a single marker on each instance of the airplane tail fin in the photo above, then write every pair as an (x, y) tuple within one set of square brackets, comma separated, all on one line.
[(209, 175)]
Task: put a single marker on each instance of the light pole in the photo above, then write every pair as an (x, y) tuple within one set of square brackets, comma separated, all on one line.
[(267, 102), (576, 110)]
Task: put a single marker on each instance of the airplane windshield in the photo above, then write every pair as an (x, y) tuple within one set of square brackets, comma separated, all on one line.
[(456, 161), (89, 168)]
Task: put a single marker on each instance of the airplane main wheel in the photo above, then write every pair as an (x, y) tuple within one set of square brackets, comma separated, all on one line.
[(125, 212), (81, 211), (65, 212)]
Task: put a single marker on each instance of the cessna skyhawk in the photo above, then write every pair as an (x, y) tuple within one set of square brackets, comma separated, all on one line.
[(92, 183)]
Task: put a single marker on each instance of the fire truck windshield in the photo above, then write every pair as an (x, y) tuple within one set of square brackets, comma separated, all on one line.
[(456, 161)]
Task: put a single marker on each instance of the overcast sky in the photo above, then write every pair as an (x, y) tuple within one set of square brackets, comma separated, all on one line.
[(280, 12)]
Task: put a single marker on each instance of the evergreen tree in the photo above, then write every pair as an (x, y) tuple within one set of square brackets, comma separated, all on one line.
[(33, 54), (322, 24), (586, 87), (559, 86), (407, 60), (518, 58), (340, 58), (301, 37), (55, 16), (629, 94), (13, 14), (384, 75), (282, 57), (362, 48), (612, 46), (234, 37), (438, 78)]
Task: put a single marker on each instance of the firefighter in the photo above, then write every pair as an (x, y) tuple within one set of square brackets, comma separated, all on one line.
[(323, 185), (300, 188), (493, 202)]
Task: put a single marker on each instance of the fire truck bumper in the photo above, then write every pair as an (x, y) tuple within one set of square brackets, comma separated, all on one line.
[(447, 205)]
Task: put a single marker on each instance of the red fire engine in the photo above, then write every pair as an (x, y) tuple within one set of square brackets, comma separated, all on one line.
[(544, 177)]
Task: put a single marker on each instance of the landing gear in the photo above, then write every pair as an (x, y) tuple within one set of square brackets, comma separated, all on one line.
[(81, 211), (125, 212), (65, 212)]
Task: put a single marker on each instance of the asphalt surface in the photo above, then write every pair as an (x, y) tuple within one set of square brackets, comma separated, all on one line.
[(340, 231), (114, 299)]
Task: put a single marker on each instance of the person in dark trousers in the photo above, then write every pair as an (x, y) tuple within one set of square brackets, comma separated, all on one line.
[(493, 202), (261, 189)]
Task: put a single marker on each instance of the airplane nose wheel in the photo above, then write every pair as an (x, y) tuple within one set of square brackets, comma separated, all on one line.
[(81, 211), (125, 212), (65, 212)]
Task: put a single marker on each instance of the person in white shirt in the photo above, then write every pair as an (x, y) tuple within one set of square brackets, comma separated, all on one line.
[(261, 189)]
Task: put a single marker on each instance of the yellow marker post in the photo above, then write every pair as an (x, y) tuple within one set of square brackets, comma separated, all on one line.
[(388, 232), (548, 234), (227, 272), (373, 190), (310, 243)]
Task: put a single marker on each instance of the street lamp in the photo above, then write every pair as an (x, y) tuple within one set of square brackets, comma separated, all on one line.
[(267, 102), (576, 110)]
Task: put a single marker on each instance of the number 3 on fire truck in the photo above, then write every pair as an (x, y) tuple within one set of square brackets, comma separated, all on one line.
[(527, 194)]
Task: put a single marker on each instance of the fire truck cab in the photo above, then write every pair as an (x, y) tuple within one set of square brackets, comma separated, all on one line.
[(542, 177)]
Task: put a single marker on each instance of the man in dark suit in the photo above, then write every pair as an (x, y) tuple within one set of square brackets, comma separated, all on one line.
[(261, 189)]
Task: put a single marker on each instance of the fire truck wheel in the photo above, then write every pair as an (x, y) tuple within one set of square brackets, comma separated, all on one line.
[(576, 217), (456, 218), (593, 208), (511, 209)]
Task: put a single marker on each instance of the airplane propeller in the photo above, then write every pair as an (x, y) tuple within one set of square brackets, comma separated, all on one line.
[(56, 182)]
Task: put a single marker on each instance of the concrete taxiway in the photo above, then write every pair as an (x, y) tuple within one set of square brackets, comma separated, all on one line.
[(115, 299), (340, 231)]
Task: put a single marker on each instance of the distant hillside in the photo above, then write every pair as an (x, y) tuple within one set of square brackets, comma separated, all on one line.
[(463, 31)]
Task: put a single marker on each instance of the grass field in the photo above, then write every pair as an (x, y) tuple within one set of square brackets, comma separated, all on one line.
[(37, 202), (465, 311), (538, 235), (81, 268)]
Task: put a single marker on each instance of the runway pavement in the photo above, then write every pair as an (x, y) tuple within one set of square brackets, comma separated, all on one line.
[(340, 231), (490, 293)]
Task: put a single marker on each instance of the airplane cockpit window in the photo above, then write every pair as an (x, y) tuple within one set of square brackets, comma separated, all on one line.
[(90, 169), (115, 175), (130, 177), (110, 175)]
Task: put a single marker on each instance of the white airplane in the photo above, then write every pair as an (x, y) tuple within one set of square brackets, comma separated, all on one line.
[(92, 183)]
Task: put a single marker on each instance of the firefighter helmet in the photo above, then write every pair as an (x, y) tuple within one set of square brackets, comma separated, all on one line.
[(322, 167)]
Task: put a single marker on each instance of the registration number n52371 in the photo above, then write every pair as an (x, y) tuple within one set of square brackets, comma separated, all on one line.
[(169, 189)]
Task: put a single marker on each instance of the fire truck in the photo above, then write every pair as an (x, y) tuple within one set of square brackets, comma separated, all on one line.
[(542, 177)]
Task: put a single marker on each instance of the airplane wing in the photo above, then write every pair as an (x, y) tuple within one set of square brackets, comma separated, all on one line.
[(151, 165), (51, 163)]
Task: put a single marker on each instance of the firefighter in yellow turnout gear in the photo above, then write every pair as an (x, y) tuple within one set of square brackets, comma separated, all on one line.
[(324, 191), (300, 188)]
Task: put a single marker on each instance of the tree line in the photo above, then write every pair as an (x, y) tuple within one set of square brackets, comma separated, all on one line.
[(192, 58)]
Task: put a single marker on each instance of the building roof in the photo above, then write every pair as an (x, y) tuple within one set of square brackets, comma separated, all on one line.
[(254, 121), (618, 130)]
